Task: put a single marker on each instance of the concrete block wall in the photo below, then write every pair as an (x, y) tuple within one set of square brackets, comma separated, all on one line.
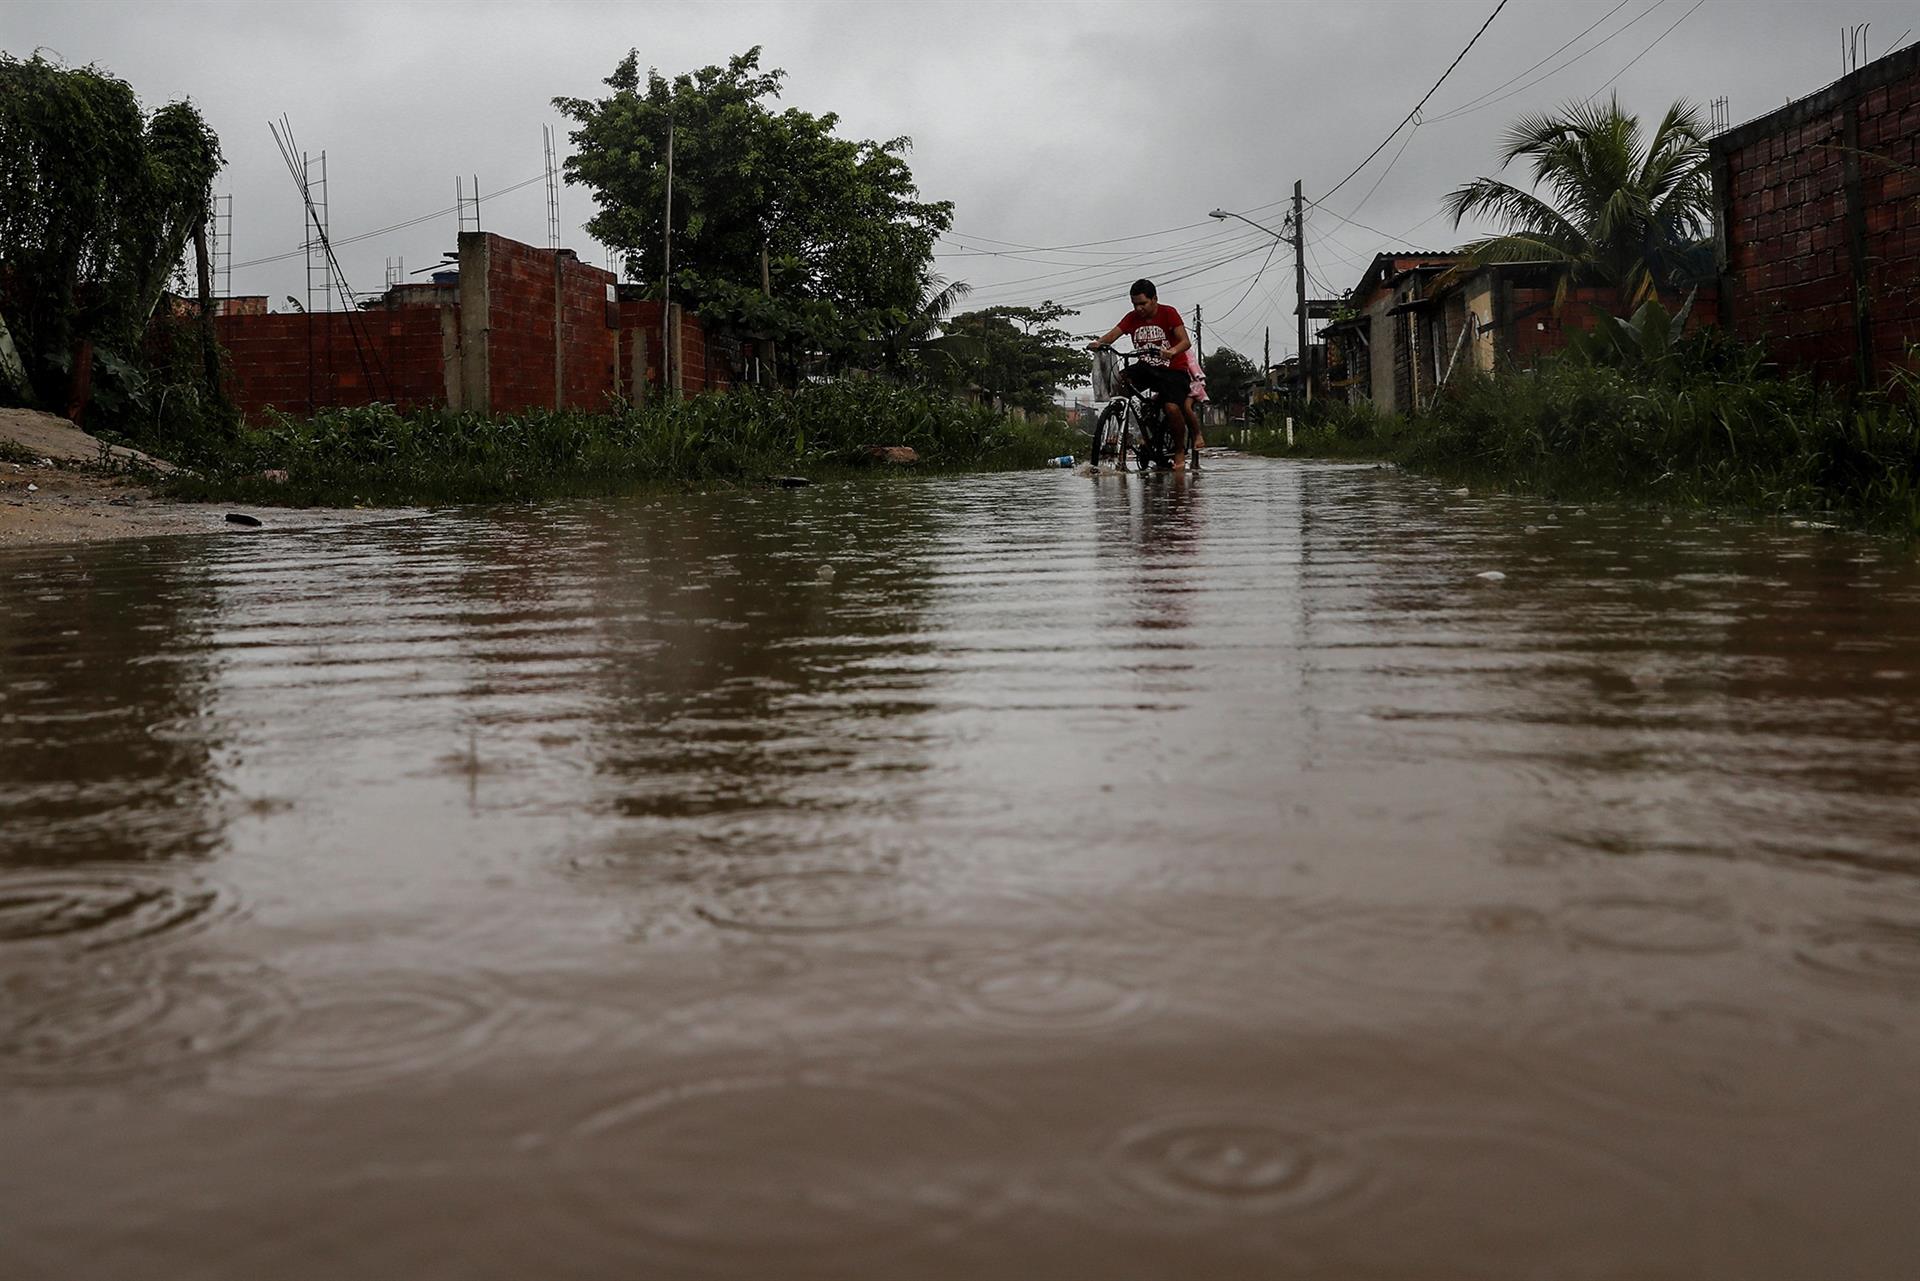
[(270, 358), (522, 328), (1528, 328), (545, 328), (1819, 206), (643, 320)]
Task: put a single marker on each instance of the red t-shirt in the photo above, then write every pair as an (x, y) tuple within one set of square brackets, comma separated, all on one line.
[(1153, 334)]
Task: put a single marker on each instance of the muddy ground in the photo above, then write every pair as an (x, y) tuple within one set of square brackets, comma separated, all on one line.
[(60, 485)]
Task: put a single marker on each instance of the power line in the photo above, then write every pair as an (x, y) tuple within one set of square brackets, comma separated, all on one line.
[(1423, 101), (1080, 279), (1084, 244), (1264, 264), (1487, 99), (382, 231), (1649, 49)]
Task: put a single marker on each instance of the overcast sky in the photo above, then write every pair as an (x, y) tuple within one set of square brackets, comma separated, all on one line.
[(1082, 144)]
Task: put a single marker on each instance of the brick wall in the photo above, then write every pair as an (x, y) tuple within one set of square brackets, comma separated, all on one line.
[(1528, 327), (398, 358), (539, 302), (641, 318), (1819, 208), (518, 319)]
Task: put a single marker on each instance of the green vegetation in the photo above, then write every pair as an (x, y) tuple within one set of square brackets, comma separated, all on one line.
[(98, 201), (1631, 214), (1016, 353), (1229, 375), (847, 242), (375, 455), (1703, 423)]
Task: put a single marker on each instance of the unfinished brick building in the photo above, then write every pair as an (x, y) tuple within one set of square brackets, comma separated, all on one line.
[(1418, 317), (514, 328), (1819, 243)]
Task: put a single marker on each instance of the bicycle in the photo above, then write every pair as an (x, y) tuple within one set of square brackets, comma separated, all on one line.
[(1134, 421)]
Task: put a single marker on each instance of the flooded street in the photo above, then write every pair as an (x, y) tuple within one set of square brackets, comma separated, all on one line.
[(1001, 876)]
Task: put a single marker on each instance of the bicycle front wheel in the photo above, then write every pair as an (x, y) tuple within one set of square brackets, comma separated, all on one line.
[(1110, 435)]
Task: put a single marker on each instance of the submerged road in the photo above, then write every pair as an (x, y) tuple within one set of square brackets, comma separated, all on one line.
[(1015, 875)]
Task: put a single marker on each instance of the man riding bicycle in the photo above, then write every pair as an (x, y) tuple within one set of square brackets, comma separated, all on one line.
[(1161, 336)]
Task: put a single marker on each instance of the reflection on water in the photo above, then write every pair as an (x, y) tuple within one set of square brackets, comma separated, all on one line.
[(1017, 875)]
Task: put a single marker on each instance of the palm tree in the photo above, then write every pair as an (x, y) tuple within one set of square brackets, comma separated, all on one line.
[(918, 335), (1630, 215)]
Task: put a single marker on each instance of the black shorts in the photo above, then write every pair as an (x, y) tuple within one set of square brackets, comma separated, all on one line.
[(1172, 385)]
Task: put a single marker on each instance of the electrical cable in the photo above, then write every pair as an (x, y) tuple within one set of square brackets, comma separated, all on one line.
[(1079, 278), (1423, 101), (1488, 98), (1083, 279), (381, 231), (1256, 280), (1649, 49), (1083, 244)]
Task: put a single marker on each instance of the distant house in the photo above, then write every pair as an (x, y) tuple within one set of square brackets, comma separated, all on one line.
[(1415, 321), (514, 327), (1377, 351), (1819, 218)]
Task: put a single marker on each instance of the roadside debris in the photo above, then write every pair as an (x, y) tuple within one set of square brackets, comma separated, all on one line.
[(241, 518)]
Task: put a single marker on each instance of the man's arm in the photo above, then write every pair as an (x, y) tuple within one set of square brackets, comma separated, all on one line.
[(1180, 342), (1106, 339)]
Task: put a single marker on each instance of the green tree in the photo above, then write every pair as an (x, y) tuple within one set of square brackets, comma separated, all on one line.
[(847, 241), (97, 202), (1631, 211), (1229, 375), (1016, 353)]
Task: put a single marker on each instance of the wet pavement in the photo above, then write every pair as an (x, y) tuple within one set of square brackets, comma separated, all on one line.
[(1017, 875)]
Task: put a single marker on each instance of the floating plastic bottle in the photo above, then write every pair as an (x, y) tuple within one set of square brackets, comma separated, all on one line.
[(1064, 460)]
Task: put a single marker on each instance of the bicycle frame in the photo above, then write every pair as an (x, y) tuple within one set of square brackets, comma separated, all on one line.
[(1134, 420)]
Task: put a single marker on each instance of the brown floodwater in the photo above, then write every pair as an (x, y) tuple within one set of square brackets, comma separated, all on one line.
[(1004, 876)]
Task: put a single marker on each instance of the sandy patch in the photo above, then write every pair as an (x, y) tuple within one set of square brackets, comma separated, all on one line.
[(70, 488)]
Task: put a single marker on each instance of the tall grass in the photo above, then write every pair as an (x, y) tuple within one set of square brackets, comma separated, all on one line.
[(1716, 429), (377, 455)]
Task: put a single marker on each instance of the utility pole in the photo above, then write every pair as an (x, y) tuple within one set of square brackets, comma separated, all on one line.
[(1266, 354), (770, 360), (1300, 289), (666, 280), (1199, 335)]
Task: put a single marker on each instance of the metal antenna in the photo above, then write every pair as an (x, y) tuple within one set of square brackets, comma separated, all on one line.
[(461, 201), (553, 190), (296, 162), (1722, 117), (220, 245)]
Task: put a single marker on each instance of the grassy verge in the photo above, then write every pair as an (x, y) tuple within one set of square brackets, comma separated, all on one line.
[(374, 455), (1716, 432)]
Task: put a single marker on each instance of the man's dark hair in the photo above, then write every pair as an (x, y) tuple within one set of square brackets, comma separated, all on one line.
[(1144, 286)]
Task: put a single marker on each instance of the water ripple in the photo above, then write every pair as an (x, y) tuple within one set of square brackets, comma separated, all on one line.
[(837, 1170), (105, 907), (1627, 923), (351, 1032), (828, 900), (1233, 1164), (1043, 992), (84, 1024), (1876, 952)]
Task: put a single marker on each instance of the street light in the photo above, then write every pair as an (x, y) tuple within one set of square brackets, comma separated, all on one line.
[(1224, 214), (1295, 222)]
